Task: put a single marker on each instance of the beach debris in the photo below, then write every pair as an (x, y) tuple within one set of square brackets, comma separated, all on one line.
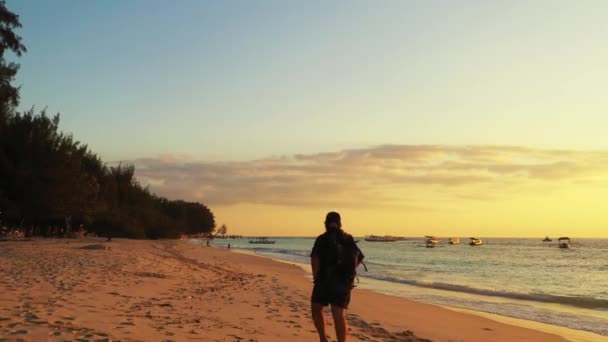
[(93, 247), (19, 332), (150, 274)]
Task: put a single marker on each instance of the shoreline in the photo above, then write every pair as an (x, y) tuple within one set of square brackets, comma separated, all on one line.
[(572, 335), (175, 290)]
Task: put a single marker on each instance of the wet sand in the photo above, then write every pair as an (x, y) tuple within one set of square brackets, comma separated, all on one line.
[(61, 290)]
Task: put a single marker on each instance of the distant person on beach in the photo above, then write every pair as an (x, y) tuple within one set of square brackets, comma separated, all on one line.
[(334, 259)]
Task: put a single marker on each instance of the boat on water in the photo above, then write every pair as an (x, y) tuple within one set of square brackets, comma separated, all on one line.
[(262, 240), (547, 239), (376, 238), (475, 242), (431, 241), (454, 241), (564, 242)]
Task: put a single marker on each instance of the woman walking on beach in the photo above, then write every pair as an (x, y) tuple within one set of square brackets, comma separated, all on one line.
[(334, 259)]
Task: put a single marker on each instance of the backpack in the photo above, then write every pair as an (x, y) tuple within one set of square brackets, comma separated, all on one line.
[(343, 258)]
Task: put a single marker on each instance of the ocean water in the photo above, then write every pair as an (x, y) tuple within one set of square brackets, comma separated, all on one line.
[(521, 278)]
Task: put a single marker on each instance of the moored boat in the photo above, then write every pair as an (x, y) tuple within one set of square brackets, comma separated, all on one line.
[(564, 242), (454, 241), (262, 240), (547, 239), (475, 242), (376, 238), (431, 241)]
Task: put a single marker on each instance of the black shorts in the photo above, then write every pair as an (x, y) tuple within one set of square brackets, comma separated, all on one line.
[(334, 294)]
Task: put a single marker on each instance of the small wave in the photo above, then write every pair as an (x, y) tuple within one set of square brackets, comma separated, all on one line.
[(581, 302), (299, 253)]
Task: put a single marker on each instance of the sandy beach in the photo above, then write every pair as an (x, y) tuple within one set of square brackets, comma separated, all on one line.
[(171, 290)]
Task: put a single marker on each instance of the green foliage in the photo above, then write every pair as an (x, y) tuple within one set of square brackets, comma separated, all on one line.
[(47, 178), (223, 230), (9, 41)]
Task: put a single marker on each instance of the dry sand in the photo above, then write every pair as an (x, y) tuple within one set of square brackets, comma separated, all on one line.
[(61, 290)]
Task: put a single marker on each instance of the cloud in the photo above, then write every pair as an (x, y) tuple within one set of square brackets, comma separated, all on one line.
[(382, 175)]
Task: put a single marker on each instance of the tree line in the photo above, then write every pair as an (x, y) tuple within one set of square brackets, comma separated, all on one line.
[(47, 179)]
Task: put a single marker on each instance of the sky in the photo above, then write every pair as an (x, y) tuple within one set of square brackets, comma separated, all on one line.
[(480, 118)]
